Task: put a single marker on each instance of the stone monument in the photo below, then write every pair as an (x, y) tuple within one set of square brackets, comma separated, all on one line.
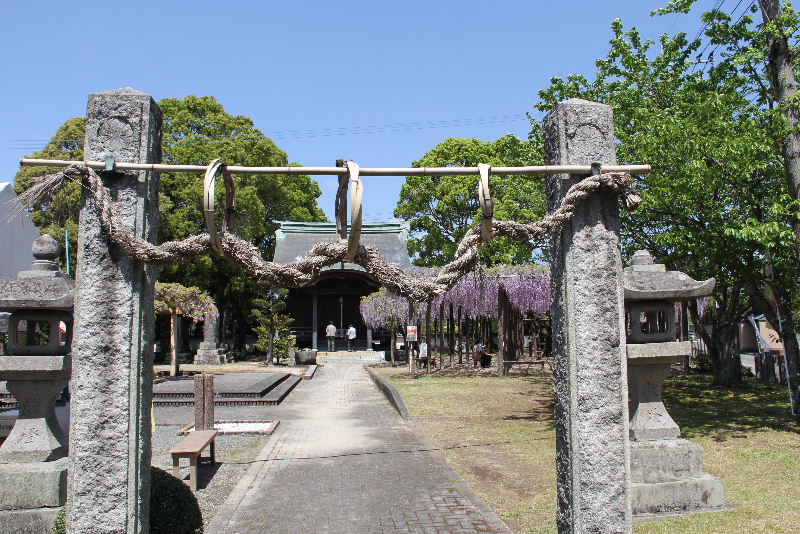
[(666, 471), (33, 459), (208, 352)]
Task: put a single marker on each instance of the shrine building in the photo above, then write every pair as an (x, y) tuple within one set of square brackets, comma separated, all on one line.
[(336, 294)]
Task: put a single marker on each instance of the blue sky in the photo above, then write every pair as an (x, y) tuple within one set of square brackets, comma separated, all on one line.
[(312, 74)]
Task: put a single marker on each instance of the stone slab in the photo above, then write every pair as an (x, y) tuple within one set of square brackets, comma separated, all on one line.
[(701, 492), (38, 521), (649, 353), (33, 485), (666, 460), (35, 367), (225, 384)]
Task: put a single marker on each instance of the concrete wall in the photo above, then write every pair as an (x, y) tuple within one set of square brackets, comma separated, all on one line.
[(16, 236)]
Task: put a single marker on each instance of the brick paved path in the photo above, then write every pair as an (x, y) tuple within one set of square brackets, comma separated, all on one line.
[(351, 484)]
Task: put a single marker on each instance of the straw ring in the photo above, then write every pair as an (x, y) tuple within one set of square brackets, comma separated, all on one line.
[(216, 168)]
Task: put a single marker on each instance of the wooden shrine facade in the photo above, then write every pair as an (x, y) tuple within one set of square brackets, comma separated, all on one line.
[(336, 295)]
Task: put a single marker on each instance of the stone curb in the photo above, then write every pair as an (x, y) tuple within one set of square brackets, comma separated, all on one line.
[(389, 391)]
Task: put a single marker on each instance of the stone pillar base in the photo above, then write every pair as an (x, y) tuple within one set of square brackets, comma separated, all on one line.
[(704, 492), (667, 476), (33, 485), (207, 354), (38, 521)]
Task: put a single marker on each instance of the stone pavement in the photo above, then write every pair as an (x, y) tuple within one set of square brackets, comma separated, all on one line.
[(342, 461)]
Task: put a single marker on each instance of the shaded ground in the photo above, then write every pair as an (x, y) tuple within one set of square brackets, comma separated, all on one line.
[(509, 460)]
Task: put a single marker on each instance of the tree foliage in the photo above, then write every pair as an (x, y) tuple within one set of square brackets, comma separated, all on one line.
[(714, 203), (196, 131), (187, 301), (272, 325), (441, 209)]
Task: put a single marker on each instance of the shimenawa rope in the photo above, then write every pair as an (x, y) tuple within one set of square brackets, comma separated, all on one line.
[(307, 269)]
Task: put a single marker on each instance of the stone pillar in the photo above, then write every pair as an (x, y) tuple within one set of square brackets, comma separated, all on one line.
[(208, 351), (113, 343), (590, 381), (369, 338), (204, 402)]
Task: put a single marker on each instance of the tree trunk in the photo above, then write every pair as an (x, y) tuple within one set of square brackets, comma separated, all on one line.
[(784, 85), (392, 341), (440, 345), (461, 332), (503, 320), (428, 337), (409, 345), (724, 353), (271, 347), (174, 365)]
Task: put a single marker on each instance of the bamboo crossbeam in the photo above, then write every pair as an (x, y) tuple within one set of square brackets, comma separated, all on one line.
[(363, 171)]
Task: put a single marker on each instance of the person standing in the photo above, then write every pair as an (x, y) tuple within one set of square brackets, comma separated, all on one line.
[(423, 351), (330, 333), (351, 336)]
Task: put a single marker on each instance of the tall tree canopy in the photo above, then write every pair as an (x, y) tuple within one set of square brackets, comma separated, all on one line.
[(716, 201), (441, 209), (196, 131)]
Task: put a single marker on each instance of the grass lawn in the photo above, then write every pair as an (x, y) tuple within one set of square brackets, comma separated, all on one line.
[(507, 427)]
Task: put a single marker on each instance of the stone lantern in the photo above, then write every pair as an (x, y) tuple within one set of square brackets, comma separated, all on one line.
[(666, 471), (33, 458)]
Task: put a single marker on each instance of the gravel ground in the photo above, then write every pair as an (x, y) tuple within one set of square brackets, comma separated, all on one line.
[(234, 454)]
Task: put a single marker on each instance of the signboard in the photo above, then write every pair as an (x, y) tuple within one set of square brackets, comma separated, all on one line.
[(411, 333)]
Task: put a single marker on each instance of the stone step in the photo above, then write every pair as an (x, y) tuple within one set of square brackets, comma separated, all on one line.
[(279, 393), (359, 355)]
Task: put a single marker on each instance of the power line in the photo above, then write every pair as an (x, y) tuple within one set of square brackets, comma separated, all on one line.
[(35, 144), (741, 16)]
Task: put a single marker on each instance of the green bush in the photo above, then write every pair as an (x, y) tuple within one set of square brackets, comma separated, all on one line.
[(173, 507)]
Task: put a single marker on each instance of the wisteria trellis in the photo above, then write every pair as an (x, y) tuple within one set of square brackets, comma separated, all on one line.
[(528, 289)]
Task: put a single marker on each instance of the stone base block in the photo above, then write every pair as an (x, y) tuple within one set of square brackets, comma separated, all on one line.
[(701, 492), (39, 521), (207, 356), (665, 460), (33, 485)]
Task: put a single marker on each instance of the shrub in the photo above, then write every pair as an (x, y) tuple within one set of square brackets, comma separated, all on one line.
[(173, 507)]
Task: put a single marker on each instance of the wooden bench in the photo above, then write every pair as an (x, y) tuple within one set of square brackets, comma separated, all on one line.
[(190, 447)]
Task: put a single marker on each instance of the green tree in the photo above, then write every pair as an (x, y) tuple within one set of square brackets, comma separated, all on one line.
[(715, 172), (196, 131), (758, 61), (441, 209), (272, 325), (175, 299), (61, 213)]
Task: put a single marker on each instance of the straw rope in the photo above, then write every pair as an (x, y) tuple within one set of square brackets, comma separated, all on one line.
[(307, 269)]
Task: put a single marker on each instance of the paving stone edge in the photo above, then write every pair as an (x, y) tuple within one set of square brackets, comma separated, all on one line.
[(389, 391)]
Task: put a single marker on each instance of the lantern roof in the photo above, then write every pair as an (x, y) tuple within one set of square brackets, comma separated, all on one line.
[(647, 280), (43, 286)]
